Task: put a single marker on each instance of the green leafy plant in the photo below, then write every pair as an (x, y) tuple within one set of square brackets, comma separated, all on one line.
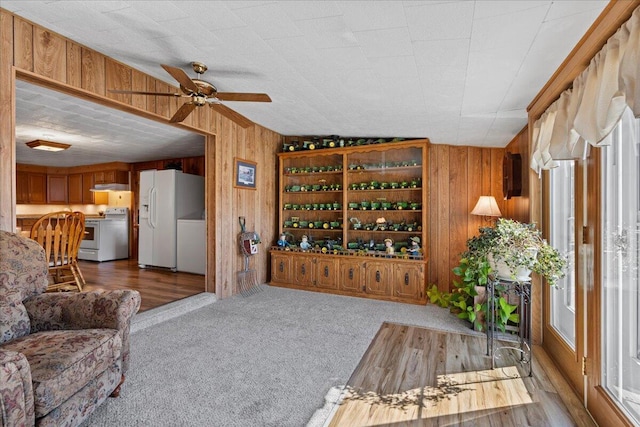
[(518, 245)]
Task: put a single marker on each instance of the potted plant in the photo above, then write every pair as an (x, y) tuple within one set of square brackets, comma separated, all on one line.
[(515, 249), (512, 245)]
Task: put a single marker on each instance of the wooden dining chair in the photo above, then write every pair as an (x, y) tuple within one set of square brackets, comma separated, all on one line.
[(60, 234)]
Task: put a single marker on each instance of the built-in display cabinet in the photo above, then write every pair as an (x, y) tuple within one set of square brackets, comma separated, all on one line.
[(363, 213)]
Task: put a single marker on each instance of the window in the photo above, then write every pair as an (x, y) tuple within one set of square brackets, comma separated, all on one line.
[(620, 262)]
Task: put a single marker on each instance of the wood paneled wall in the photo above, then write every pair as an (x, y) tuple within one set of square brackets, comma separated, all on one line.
[(458, 177), (40, 56)]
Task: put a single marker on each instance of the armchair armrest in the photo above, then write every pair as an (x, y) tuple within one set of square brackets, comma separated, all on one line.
[(86, 310), (16, 390), (83, 310)]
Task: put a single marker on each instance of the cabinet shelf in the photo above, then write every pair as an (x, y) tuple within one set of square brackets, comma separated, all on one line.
[(371, 274), (386, 169), (352, 231), (306, 174), (385, 190), (312, 192)]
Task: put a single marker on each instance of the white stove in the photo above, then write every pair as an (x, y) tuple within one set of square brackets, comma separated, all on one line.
[(106, 238)]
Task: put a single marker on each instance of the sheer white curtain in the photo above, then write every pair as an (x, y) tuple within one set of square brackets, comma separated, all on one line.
[(591, 109)]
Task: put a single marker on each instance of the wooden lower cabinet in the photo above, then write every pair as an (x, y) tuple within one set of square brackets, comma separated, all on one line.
[(303, 270), (408, 281), (281, 268), (351, 275), (393, 280), (378, 278), (326, 273)]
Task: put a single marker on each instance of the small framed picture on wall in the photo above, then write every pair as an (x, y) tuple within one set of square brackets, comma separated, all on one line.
[(244, 174)]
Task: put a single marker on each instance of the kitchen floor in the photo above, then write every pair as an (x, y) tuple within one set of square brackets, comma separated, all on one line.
[(157, 287)]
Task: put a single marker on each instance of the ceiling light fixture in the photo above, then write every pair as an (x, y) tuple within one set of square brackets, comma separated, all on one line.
[(41, 144)]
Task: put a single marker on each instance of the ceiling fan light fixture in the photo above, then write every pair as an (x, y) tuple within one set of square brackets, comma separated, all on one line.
[(41, 144)]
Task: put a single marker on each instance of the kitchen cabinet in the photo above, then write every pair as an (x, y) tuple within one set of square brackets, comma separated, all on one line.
[(111, 177), (57, 189), (75, 188), (87, 185), (31, 187)]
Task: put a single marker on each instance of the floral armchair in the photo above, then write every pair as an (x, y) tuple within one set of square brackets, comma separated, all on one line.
[(61, 354)]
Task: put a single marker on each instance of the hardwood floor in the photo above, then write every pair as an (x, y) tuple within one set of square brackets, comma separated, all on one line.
[(157, 287), (413, 376)]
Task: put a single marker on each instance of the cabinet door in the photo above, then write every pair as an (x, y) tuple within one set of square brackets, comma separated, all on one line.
[(87, 185), (281, 268), (408, 281), (75, 188), (22, 187), (303, 270), (99, 178), (351, 275), (327, 273), (378, 276), (57, 189), (37, 184)]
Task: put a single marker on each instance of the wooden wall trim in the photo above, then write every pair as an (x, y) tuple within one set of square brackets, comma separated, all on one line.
[(616, 13), (7, 124)]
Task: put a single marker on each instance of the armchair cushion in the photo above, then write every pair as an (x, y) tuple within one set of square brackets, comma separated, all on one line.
[(14, 320), (63, 362), (16, 392), (25, 258)]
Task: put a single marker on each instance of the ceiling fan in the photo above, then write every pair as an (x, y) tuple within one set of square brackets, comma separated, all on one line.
[(201, 93)]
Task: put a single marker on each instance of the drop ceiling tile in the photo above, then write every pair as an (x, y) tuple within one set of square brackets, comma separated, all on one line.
[(450, 53), (216, 15), (329, 32), (515, 30), (492, 8), (169, 10), (394, 66), (308, 10), (441, 21), (269, 21), (388, 42), (563, 9), (373, 15)]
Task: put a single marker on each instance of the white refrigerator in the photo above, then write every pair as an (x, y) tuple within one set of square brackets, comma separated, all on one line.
[(165, 196)]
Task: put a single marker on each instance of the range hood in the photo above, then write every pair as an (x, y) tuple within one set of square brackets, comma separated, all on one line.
[(110, 187)]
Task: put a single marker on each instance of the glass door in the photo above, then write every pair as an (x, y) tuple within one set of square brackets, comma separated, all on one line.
[(620, 260), (564, 306)]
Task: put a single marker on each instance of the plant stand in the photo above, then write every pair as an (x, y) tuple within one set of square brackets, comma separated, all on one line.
[(523, 344)]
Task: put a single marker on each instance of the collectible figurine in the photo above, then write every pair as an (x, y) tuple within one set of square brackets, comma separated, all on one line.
[(304, 244), (390, 250), (282, 241), (414, 247)]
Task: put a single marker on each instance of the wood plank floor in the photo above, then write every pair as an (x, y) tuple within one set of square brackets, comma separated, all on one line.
[(157, 287), (413, 376)]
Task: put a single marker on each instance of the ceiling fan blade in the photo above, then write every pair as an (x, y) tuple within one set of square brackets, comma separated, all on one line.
[(232, 115), (181, 77), (183, 112), (138, 92), (250, 97)]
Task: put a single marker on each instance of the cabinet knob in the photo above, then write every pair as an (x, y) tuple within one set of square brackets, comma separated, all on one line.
[(378, 278), (281, 266), (303, 269), (406, 279), (351, 273), (326, 271)]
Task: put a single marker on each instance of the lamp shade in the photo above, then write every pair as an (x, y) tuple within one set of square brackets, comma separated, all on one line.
[(486, 206)]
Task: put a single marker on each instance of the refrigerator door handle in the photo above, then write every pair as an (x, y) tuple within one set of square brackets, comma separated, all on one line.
[(153, 220)]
